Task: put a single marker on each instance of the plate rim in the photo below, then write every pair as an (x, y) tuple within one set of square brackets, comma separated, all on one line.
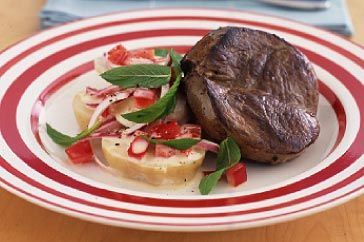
[(221, 9)]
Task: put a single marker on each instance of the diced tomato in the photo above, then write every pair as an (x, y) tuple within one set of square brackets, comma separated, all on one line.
[(169, 130), (138, 147), (143, 102), (144, 97), (191, 131), (236, 175), (117, 55), (164, 151), (143, 53), (80, 152)]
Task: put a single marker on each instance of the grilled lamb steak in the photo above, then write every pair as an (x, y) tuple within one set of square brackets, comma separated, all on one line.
[(256, 88)]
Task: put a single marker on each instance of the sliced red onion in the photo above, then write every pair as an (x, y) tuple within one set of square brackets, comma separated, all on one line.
[(133, 128), (105, 104), (162, 60), (100, 93), (92, 105), (103, 134), (208, 146), (191, 131), (108, 119), (137, 60), (110, 126), (99, 157), (91, 91), (108, 91)]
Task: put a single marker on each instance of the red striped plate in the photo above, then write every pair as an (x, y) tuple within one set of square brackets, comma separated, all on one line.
[(40, 75)]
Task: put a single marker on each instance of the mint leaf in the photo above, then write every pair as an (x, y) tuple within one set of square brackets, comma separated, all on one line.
[(58, 137), (210, 181), (229, 154), (181, 144), (161, 52), (141, 75), (178, 144), (160, 109), (65, 140), (176, 59)]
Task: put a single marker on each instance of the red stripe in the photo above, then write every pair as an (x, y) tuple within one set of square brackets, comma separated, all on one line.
[(361, 174), (328, 44), (19, 86), (349, 180), (42, 187), (339, 111)]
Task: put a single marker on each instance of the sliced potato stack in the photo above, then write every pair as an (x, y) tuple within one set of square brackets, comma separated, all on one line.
[(150, 169)]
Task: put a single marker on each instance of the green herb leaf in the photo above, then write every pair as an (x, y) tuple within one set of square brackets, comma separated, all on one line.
[(160, 109), (65, 140), (178, 144), (181, 144), (229, 154), (210, 181), (176, 59), (142, 75), (58, 137), (161, 52)]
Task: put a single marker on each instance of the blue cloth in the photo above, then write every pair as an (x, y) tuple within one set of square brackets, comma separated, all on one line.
[(55, 12)]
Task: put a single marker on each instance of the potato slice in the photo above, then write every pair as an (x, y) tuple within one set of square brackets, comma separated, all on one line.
[(151, 169), (82, 112)]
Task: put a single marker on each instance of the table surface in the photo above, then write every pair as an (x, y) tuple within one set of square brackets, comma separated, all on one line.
[(23, 221)]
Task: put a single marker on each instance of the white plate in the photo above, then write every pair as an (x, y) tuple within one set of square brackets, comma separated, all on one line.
[(40, 75)]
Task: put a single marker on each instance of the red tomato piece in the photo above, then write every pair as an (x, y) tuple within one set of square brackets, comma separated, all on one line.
[(143, 53), (236, 175), (117, 55), (164, 151), (80, 152), (169, 130), (138, 147), (143, 102)]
